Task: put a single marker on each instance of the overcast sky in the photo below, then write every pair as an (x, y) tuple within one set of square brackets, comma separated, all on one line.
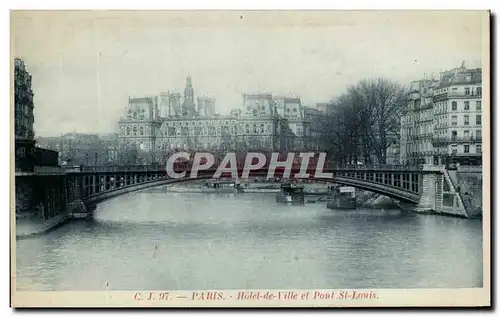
[(84, 68)]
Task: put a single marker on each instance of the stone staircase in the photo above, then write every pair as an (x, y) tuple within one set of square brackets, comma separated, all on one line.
[(458, 207), (439, 196)]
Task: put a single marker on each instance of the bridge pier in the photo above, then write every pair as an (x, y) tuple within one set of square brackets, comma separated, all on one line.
[(94, 181), (429, 191), (75, 207)]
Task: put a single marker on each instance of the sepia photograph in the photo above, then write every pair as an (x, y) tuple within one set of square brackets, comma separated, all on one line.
[(250, 158)]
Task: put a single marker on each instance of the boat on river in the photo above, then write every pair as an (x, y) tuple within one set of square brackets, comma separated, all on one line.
[(221, 186), (290, 194), (341, 197)]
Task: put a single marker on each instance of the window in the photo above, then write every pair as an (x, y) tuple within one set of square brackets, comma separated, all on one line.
[(21, 152), (262, 128), (141, 131), (466, 135), (479, 91), (128, 131), (466, 148), (467, 91), (466, 105), (254, 112), (254, 126), (453, 120), (247, 128), (479, 148), (453, 135), (453, 105), (478, 134), (466, 120), (478, 105), (134, 131), (478, 120)]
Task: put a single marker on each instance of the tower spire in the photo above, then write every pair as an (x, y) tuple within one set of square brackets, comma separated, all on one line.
[(188, 106)]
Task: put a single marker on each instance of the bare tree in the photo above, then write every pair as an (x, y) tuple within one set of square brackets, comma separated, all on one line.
[(364, 121)]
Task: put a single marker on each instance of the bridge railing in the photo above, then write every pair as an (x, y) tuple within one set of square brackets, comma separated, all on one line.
[(331, 167), (119, 169), (376, 167)]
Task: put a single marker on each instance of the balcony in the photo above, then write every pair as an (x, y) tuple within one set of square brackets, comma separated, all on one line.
[(447, 140), (456, 95)]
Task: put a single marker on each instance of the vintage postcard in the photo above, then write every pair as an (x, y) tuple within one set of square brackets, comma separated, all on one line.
[(250, 158)]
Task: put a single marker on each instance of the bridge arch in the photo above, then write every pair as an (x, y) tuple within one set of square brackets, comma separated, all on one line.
[(380, 188)]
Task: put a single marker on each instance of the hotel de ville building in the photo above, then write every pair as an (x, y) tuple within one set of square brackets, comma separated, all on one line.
[(159, 125)]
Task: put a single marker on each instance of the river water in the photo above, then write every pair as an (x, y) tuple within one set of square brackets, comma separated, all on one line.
[(154, 240)]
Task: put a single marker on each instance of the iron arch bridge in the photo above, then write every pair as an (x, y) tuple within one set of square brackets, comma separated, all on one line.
[(93, 184)]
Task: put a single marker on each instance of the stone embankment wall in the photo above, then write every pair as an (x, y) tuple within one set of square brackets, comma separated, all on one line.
[(468, 183)]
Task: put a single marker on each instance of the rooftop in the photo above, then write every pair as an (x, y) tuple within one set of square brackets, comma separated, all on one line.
[(461, 76)]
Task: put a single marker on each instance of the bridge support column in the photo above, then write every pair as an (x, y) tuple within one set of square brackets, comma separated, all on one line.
[(427, 201), (431, 183), (94, 187)]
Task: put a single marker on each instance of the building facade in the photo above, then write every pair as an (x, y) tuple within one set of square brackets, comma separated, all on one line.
[(23, 117), (442, 124), (417, 125), (154, 127), (458, 117), (82, 149)]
